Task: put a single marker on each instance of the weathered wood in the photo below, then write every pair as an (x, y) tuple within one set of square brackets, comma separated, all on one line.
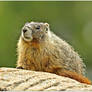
[(24, 80)]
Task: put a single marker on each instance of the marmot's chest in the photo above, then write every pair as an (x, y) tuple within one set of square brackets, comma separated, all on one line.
[(37, 59)]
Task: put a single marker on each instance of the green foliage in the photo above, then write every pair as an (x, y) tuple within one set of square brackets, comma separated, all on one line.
[(70, 20)]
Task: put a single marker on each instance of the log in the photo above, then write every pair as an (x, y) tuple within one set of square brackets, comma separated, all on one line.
[(12, 79)]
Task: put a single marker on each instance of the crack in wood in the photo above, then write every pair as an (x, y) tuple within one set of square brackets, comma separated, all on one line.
[(54, 84), (15, 84), (37, 83)]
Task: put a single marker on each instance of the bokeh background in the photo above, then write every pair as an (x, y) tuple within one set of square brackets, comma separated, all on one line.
[(70, 20)]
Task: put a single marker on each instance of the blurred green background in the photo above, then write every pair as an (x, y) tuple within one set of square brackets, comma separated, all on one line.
[(70, 20)]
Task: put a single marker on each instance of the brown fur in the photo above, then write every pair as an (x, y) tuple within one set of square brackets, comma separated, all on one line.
[(51, 55), (73, 75)]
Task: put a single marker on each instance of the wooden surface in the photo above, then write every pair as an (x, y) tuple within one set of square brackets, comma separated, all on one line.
[(24, 80)]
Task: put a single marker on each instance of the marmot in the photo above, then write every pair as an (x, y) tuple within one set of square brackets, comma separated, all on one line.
[(39, 49)]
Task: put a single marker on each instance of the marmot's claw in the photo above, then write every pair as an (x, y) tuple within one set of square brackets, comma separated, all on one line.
[(20, 67)]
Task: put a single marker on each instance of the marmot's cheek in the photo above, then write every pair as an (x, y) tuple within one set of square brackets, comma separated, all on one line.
[(42, 36)]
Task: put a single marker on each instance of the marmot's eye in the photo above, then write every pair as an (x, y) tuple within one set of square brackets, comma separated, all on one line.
[(38, 27)]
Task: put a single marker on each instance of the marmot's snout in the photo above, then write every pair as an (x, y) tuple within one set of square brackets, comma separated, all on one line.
[(36, 31), (26, 33)]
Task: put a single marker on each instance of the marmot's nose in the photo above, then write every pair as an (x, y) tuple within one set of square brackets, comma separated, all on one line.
[(24, 30)]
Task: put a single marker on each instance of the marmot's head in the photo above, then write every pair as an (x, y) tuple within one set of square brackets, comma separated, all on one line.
[(35, 31)]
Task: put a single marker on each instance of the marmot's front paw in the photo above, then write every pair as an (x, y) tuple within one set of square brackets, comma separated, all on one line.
[(20, 67)]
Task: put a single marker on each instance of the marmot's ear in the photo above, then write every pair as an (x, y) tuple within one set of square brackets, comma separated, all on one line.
[(32, 22), (46, 24)]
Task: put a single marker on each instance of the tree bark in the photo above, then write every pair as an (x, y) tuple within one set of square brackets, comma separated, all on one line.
[(12, 79)]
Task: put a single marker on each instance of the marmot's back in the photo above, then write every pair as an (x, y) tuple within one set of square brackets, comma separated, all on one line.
[(68, 57), (41, 50)]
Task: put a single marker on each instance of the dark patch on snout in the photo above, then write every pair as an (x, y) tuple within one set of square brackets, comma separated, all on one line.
[(24, 30)]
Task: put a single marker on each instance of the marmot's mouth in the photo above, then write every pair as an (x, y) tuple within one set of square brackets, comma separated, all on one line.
[(27, 37)]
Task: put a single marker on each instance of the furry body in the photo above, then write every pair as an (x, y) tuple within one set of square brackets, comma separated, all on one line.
[(50, 55)]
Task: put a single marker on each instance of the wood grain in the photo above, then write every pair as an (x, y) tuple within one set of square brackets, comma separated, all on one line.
[(12, 79)]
